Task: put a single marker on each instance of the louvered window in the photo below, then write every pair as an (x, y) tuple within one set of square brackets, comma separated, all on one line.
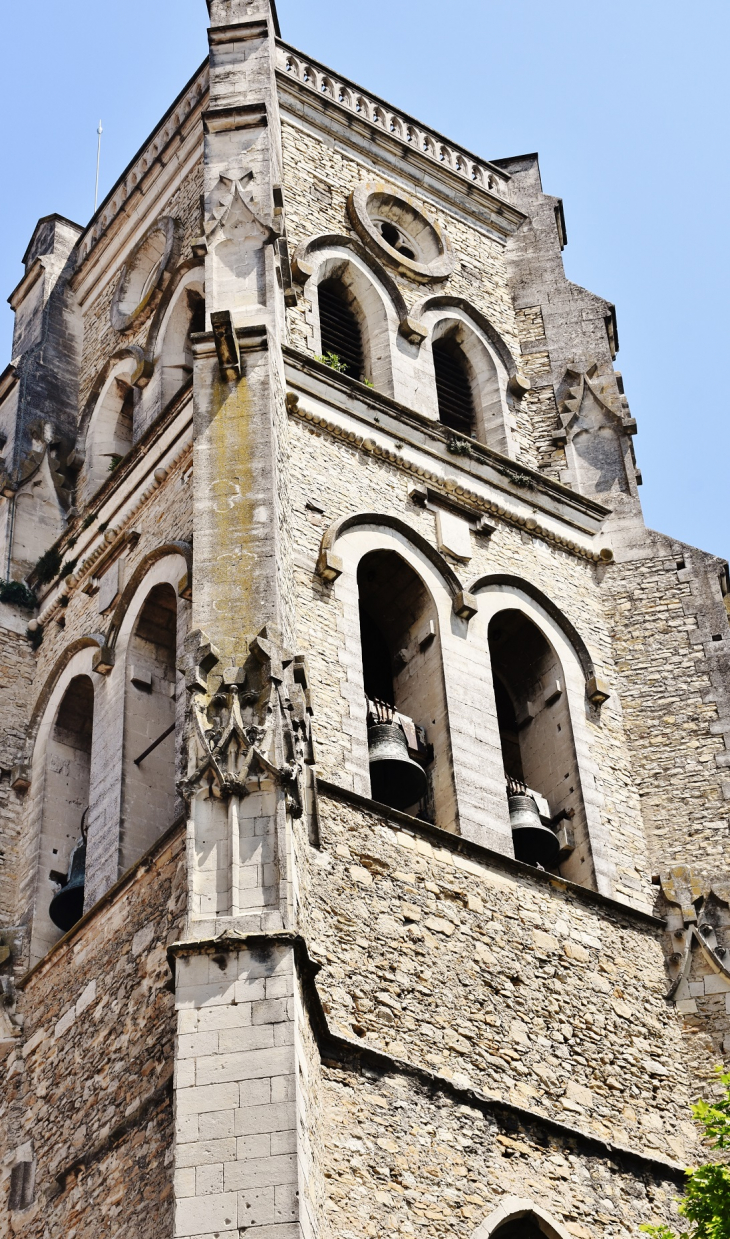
[(340, 328), (456, 403)]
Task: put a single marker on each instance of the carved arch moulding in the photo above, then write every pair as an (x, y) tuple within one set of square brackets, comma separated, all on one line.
[(145, 274), (330, 567), (310, 254)]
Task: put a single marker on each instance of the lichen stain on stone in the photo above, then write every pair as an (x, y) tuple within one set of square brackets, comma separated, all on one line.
[(231, 469)]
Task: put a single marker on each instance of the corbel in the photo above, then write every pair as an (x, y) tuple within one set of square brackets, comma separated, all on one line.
[(226, 345), (413, 330), (329, 565), (465, 605), (141, 376), (519, 384), (597, 690), (103, 660), (20, 777)]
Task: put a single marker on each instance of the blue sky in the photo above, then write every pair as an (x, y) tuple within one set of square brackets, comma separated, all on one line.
[(627, 105)]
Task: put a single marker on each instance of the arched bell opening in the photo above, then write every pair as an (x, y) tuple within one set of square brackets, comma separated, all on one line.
[(62, 860), (471, 383), (339, 323), (410, 767), (176, 359), (454, 385), (536, 734), (149, 798), (110, 433)]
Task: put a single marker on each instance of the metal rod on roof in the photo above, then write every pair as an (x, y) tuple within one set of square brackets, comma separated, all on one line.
[(98, 159)]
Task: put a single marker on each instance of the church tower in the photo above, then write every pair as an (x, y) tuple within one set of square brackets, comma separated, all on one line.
[(365, 760)]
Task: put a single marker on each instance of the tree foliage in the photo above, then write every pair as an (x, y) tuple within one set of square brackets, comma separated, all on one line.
[(706, 1202)]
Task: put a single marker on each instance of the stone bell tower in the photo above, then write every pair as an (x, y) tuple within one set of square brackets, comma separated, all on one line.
[(373, 747)]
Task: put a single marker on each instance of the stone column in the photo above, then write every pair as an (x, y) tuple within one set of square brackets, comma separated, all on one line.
[(238, 1061)]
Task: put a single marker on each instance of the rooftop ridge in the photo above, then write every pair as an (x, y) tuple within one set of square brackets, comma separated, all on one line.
[(139, 165)]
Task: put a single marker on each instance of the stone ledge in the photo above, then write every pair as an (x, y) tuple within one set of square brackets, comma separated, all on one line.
[(345, 1052), (487, 856)]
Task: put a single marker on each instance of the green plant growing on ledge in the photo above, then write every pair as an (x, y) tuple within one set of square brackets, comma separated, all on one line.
[(48, 566), (706, 1202), (18, 594), (115, 462), (333, 361), (459, 447)]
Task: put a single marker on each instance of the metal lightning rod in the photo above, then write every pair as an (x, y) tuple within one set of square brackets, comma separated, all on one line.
[(98, 158)]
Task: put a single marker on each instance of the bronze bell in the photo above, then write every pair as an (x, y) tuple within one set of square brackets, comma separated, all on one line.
[(67, 905), (534, 843), (395, 779)]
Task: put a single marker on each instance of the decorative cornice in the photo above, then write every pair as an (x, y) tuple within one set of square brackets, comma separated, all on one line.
[(450, 487), (31, 277), (411, 139), (337, 1049)]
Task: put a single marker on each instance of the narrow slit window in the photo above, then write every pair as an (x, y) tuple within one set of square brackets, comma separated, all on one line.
[(339, 328), (453, 388)]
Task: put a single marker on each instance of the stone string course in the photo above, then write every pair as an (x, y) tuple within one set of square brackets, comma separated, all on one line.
[(403, 1161), (450, 485)]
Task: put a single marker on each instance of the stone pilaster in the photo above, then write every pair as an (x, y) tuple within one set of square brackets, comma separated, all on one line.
[(238, 1064)]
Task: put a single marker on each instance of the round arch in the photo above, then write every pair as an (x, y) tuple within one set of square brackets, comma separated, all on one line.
[(504, 581), (190, 272), (590, 862), (444, 302), (384, 521), (40, 857), (308, 257), (168, 353), (180, 555), (119, 360), (513, 1208), (371, 302), (92, 642), (108, 431)]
